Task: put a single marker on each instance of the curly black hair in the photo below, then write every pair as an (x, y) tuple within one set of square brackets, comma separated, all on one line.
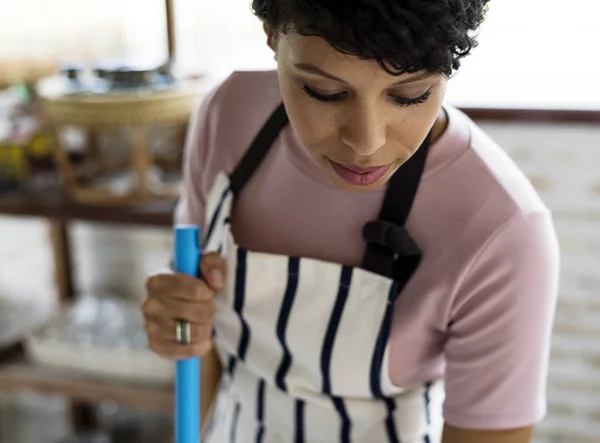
[(401, 35)]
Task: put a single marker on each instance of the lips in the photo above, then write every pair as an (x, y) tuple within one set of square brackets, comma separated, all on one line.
[(359, 170), (358, 176)]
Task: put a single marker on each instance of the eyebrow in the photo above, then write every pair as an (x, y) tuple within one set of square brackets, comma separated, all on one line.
[(315, 70)]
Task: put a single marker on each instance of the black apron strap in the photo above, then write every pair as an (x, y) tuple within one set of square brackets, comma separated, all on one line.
[(390, 250), (258, 149)]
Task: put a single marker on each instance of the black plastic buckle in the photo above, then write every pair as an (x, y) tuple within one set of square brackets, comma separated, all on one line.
[(391, 251), (392, 236)]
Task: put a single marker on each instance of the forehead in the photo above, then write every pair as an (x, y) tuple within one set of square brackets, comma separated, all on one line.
[(295, 49), (301, 45), (300, 49)]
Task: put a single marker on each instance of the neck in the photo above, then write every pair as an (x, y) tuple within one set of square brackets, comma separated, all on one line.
[(440, 125)]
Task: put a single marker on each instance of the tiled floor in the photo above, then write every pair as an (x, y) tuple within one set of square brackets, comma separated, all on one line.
[(34, 418)]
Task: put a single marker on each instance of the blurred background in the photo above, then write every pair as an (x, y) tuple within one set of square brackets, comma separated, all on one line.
[(94, 103)]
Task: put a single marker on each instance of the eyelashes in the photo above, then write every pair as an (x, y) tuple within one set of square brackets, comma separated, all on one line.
[(412, 101), (324, 98), (332, 98)]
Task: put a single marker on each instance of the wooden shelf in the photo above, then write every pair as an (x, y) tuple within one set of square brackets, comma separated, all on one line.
[(57, 206), (18, 373), (84, 390), (532, 115)]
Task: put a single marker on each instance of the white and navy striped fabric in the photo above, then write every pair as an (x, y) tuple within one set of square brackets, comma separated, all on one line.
[(304, 349)]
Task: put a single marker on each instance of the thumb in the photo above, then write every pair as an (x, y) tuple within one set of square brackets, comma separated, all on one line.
[(212, 270)]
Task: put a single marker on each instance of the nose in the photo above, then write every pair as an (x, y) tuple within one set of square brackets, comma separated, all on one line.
[(364, 131)]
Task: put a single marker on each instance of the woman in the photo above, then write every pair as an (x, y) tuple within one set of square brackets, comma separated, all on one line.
[(390, 275)]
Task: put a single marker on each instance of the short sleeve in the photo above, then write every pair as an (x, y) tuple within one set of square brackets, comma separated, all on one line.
[(196, 164), (498, 343)]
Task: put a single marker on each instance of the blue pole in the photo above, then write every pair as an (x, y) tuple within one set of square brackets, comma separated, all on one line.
[(187, 379)]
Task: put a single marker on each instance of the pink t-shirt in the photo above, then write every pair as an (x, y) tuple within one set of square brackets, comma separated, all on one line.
[(478, 312)]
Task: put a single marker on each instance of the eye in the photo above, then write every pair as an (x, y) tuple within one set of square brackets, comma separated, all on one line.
[(322, 97), (401, 101)]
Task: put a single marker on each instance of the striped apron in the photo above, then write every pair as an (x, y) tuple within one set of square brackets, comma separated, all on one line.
[(303, 342)]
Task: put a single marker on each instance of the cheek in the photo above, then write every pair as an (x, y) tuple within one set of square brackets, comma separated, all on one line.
[(414, 123), (313, 125)]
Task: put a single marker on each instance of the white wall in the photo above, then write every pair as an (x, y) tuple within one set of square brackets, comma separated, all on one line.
[(562, 161)]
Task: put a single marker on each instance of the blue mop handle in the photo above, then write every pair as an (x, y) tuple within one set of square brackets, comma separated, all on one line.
[(187, 379)]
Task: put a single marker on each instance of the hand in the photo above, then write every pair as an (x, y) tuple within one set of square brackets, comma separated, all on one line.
[(174, 296)]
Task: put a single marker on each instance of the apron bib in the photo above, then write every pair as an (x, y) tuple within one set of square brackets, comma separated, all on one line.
[(303, 342)]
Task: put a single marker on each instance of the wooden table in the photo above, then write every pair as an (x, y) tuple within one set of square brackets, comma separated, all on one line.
[(17, 372)]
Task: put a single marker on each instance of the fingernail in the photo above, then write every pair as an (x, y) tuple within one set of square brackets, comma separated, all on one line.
[(217, 278)]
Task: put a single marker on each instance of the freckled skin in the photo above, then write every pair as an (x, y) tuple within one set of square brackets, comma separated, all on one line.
[(366, 127)]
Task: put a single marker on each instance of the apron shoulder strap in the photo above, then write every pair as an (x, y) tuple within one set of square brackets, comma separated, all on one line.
[(390, 250), (258, 149)]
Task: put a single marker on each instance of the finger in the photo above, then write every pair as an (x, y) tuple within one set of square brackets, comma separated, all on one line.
[(212, 270), (180, 286), (176, 351), (165, 330), (172, 309)]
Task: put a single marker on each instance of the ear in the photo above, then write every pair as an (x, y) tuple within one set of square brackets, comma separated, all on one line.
[(271, 37)]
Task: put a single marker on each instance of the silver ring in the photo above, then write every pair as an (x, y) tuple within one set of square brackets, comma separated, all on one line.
[(183, 331)]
